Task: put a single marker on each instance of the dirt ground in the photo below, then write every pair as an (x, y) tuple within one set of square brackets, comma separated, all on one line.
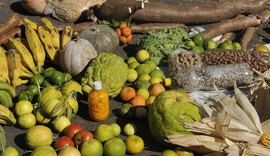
[(15, 135)]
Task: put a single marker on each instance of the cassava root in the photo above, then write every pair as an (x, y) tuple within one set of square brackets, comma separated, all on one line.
[(13, 21), (11, 34)]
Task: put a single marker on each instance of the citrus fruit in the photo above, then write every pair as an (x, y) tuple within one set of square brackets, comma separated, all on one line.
[(37, 79), (155, 80), (156, 88), (210, 44), (142, 55), (131, 60), (157, 73), (151, 64), (150, 100), (134, 144), (143, 92), (92, 147), (10, 151), (38, 136), (126, 110), (114, 147), (116, 129), (143, 69), (27, 120), (23, 107), (137, 101), (133, 65), (237, 46), (146, 77), (127, 93), (226, 45), (129, 129), (132, 75), (61, 123), (126, 31), (69, 151), (32, 89), (57, 78), (198, 39), (41, 117), (198, 49), (44, 151), (141, 113), (104, 132), (180, 151), (168, 152)]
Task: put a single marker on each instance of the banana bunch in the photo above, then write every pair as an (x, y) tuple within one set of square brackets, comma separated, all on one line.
[(3, 66), (7, 92), (6, 116)]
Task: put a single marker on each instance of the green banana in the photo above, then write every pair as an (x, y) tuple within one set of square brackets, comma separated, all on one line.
[(5, 99), (6, 116), (8, 88)]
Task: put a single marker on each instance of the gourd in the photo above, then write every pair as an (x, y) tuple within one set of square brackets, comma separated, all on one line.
[(98, 102), (76, 55), (102, 37)]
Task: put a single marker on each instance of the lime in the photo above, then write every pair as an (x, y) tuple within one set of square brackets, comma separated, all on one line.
[(116, 129), (92, 147), (143, 69), (143, 92), (168, 152), (135, 144), (48, 72), (104, 132), (129, 129), (142, 55), (210, 44), (37, 79), (127, 110), (190, 43), (152, 64), (27, 120), (131, 60), (23, 107), (45, 84), (32, 89), (67, 77), (198, 39), (146, 77), (226, 45), (57, 78), (22, 95), (132, 75), (236, 46), (10, 151), (198, 49), (157, 73), (133, 65)]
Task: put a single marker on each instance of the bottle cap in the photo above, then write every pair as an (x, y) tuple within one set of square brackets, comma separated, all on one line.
[(97, 85)]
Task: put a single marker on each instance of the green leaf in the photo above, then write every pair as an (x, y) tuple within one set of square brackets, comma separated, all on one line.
[(115, 23), (3, 140)]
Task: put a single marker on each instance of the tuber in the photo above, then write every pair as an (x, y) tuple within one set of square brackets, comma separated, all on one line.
[(146, 27), (182, 12), (13, 21), (246, 38), (11, 34)]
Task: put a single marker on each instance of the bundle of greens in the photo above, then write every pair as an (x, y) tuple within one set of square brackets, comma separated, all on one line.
[(161, 43)]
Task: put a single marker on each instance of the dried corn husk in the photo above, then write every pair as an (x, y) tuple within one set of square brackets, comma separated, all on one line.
[(235, 130)]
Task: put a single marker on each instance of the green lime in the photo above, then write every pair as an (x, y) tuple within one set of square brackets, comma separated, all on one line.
[(226, 45), (210, 44), (237, 46), (190, 43), (22, 96), (67, 76), (131, 60), (198, 39), (48, 72), (37, 79), (157, 73), (57, 78), (199, 50), (132, 75), (146, 77), (133, 65), (45, 83), (32, 89), (152, 64)]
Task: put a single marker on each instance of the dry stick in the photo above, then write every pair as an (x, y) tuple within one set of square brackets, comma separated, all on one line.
[(76, 27), (11, 34), (143, 28), (238, 23), (183, 12), (248, 35), (13, 21), (225, 37)]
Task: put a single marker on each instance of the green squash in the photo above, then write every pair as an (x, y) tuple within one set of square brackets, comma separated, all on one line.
[(102, 37), (168, 112)]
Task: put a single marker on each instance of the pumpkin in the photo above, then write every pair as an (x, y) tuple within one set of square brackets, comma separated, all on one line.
[(102, 37), (76, 55)]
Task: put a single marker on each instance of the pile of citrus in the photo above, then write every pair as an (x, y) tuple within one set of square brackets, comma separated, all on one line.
[(124, 33)]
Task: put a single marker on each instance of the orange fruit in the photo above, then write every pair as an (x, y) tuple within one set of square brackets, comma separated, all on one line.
[(137, 101), (123, 39), (156, 88), (118, 32), (126, 31), (129, 39), (127, 93), (122, 25)]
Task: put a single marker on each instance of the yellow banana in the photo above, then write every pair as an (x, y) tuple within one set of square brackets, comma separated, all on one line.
[(35, 46), (3, 66), (66, 36), (6, 116), (14, 66), (53, 31), (25, 54), (26, 73), (31, 23), (21, 81), (46, 39)]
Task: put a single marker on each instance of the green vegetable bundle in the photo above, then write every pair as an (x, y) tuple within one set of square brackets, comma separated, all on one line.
[(108, 68), (161, 43)]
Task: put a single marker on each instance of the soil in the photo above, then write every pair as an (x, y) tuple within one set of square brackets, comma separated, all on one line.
[(15, 135)]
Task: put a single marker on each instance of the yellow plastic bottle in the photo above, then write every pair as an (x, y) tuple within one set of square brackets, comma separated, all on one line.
[(98, 102)]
